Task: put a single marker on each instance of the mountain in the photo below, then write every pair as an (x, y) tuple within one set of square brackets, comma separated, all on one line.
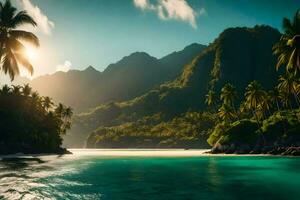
[(121, 81), (74, 88), (238, 56)]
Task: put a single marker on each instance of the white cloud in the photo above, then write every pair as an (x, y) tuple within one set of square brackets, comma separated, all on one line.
[(64, 67), (44, 24), (143, 4), (171, 10)]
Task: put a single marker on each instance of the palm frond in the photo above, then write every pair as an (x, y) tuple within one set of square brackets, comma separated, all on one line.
[(10, 64), (22, 18), (15, 45), (26, 36), (24, 62), (7, 13)]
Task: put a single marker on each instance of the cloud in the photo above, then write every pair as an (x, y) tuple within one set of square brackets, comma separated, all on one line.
[(44, 24), (171, 10), (142, 4), (64, 67)]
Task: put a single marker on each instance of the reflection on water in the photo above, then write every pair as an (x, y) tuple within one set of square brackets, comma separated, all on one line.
[(92, 176)]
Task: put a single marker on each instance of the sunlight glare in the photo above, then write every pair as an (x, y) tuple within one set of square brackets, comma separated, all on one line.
[(31, 53)]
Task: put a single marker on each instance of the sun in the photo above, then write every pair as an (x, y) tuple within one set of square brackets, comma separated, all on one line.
[(31, 53)]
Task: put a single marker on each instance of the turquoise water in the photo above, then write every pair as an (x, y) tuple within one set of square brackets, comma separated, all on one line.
[(189, 178)]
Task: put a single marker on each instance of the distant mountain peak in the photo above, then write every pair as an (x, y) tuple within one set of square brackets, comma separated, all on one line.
[(139, 55), (90, 69)]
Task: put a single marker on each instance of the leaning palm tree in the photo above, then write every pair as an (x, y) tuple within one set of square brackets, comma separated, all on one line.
[(12, 51), (228, 95), (288, 84), (288, 48)]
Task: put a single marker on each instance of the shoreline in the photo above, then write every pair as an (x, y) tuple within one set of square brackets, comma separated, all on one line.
[(134, 153)]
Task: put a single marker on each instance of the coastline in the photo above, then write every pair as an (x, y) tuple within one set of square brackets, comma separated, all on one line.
[(134, 153)]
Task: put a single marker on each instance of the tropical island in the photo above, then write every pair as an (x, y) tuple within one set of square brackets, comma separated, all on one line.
[(29, 123), (239, 94)]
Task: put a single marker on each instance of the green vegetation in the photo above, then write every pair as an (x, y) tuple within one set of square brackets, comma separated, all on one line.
[(270, 119), (256, 112), (186, 131), (30, 123), (218, 63)]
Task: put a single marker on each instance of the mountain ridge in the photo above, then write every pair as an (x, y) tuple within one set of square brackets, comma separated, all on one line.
[(120, 81)]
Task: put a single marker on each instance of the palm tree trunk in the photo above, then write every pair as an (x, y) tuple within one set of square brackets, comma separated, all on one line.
[(258, 124), (277, 104)]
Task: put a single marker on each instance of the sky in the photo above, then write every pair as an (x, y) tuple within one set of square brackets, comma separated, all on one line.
[(75, 34)]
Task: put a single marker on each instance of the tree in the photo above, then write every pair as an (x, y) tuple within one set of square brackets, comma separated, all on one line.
[(16, 90), (12, 51), (226, 113), (288, 48), (228, 95), (5, 90), (274, 96), (26, 90), (211, 98), (255, 96), (26, 126), (288, 84), (47, 103)]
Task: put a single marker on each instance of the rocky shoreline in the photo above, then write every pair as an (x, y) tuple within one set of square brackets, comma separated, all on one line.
[(246, 149)]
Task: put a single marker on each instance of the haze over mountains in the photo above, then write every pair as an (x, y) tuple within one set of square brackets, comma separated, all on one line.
[(130, 77)]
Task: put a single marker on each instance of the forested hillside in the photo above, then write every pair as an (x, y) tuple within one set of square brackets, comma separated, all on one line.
[(238, 55)]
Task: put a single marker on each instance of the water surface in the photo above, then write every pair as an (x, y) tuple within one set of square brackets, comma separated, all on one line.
[(96, 175)]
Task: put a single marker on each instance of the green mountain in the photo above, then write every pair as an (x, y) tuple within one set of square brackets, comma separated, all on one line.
[(238, 56), (121, 81)]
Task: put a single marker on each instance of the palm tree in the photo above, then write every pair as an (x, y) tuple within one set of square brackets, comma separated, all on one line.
[(12, 51), (26, 90), (288, 48), (35, 97), (5, 90), (228, 95), (16, 90), (288, 83), (67, 113), (211, 98), (60, 109), (275, 96), (285, 100), (226, 113), (266, 105), (47, 103), (255, 96)]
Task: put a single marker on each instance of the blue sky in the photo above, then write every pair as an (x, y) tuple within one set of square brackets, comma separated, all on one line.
[(78, 33)]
